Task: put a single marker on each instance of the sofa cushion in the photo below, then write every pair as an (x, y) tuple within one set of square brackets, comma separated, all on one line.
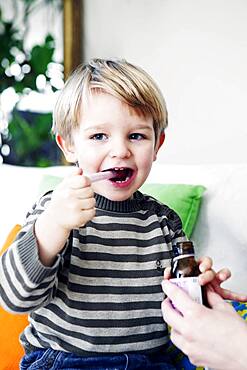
[(182, 198), (11, 326)]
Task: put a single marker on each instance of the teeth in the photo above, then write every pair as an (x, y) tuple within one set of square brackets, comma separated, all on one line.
[(120, 181)]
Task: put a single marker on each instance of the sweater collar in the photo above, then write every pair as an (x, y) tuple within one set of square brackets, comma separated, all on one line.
[(128, 205)]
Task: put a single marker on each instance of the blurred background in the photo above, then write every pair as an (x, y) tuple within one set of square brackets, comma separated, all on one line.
[(31, 73), (196, 50)]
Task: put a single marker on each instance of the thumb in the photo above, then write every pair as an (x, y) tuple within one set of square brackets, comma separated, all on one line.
[(76, 171)]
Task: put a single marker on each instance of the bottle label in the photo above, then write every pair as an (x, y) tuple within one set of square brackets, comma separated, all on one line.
[(191, 286), (182, 256)]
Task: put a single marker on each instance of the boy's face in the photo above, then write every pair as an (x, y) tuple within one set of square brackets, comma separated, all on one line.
[(112, 135)]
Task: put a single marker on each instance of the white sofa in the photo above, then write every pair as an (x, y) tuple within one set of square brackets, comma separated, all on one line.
[(221, 230)]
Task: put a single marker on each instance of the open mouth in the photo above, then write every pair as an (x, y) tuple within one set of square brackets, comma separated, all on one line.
[(120, 174)]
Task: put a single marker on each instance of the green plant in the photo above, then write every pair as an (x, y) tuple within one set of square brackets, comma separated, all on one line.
[(19, 70), (34, 144)]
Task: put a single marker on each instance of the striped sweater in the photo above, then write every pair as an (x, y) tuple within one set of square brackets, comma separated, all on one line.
[(103, 293)]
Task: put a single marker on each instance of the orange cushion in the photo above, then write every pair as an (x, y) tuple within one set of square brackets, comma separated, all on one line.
[(10, 238), (11, 326)]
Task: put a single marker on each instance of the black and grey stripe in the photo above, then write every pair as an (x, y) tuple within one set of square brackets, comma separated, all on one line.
[(103, 294)]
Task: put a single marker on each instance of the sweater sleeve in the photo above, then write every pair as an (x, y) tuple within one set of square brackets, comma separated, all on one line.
[(176, 229), (170, 221), (25, 283), (172, 226)]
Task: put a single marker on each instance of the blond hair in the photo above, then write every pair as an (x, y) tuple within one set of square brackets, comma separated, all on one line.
[(127, 82)]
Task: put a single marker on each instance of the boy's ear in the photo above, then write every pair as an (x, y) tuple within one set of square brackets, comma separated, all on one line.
[(159, 143), (67, 149)]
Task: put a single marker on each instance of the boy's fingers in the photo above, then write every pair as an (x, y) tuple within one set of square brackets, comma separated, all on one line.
[(87, 204), (78, 181), (84, 193), (88, 214), (75, 171)]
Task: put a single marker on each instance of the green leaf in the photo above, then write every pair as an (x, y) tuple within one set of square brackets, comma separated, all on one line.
[(41, 56)]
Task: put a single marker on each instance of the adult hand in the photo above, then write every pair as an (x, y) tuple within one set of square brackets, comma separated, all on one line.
[(205, 266), (215, 337), (220, 277), (209, 277)]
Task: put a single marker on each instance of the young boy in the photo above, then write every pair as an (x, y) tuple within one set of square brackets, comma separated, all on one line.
[(88, 264)]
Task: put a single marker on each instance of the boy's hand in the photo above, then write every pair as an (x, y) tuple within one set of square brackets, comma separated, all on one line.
[(72, 204)]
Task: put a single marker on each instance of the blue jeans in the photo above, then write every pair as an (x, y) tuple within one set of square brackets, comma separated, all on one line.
[(50, 359)]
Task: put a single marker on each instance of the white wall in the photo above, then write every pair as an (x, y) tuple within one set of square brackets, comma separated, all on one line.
[(197, 52)]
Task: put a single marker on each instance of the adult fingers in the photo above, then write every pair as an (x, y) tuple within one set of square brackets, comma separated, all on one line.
[(220, 277), (214, 299), (236, 296), (170, 315), (177, 339), (205, 263), (179, 298), (206, 277), (167, 273), (223, 274), (228, 294)]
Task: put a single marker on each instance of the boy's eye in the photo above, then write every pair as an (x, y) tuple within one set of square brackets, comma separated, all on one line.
[(99, 137), (137, 136)]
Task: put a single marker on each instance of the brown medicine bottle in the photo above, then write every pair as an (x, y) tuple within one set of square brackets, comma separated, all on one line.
[(185, 271)]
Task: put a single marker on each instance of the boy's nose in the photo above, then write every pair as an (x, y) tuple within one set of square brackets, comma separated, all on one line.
[(119, 149)]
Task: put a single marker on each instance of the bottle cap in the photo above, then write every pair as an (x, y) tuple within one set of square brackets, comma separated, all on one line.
[(183, 248)]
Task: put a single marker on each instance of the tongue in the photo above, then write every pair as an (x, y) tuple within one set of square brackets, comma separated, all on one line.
[(119, 175)]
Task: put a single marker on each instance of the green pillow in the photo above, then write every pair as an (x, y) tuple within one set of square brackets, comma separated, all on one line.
[(184, 199), (48, 182)]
